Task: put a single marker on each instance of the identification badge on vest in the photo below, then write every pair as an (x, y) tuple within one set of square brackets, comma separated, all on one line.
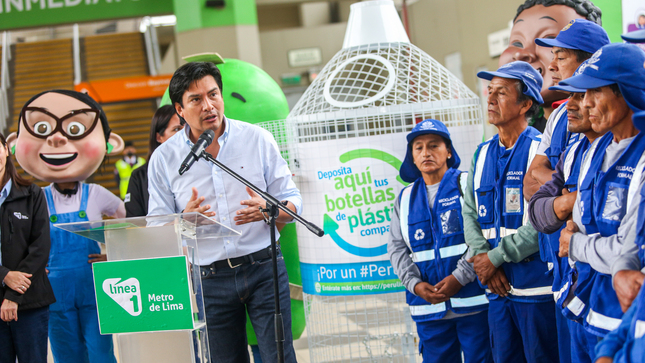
[(513, 200)]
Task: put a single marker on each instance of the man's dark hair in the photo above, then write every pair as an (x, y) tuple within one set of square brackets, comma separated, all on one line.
[(128, 143), (584, 8), (189, 73), (158, 126), (616, 89), (521, 98), (581, 55)]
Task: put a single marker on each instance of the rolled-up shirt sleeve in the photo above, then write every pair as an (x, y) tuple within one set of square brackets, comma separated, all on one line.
[(399, 253), (278, 175), (465, 271), (472, 230)]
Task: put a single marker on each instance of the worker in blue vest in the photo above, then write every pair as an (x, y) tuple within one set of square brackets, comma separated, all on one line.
[(549, 208), (626, 343), (575, 43), (612, 79), (426, 246), (521, 312)]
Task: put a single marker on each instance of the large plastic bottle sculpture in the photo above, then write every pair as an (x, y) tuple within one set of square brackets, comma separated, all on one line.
[(350, 128)]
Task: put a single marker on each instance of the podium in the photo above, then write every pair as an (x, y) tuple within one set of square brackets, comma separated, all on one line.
[(149, 292)]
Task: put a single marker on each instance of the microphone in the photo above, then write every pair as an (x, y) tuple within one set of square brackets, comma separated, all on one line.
[(205, 139)]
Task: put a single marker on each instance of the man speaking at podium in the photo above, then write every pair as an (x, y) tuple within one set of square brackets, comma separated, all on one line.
[(236, 272)]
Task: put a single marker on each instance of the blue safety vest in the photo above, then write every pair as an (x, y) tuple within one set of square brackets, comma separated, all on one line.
[(561, 138), (436, 238), (604, 199), (501, 210), (640, 229), (564, 276)]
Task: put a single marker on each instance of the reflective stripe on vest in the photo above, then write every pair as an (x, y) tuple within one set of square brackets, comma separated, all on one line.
[(639, 329), (468, 301), (404, 210), (419, 310), (576, 306), (444, 252), (634, 186), (427, 309), (601, 321), (535, 291), (490, 233)]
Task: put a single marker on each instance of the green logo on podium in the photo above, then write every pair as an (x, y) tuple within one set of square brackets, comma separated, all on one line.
[(143, 295)]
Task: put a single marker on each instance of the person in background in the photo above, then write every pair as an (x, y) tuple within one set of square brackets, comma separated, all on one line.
[(575, 43), (521, 312), (425, 248), (165, 123), (25, 291), (543, 19), (123, 167), (63, 137)]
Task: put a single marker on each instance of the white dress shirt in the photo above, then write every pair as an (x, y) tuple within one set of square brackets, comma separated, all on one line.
[(244, 148)]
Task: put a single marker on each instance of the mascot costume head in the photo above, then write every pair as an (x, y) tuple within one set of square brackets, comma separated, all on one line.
[(63, 137)]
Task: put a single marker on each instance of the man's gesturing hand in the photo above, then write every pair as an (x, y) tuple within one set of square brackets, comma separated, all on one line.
[(194, 205), (252, 212)]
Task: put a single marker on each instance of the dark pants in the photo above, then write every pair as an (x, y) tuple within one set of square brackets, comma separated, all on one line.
[(443, 341), (583, 343), (564, 336), (229, 294), (522, 332), (26, 338)]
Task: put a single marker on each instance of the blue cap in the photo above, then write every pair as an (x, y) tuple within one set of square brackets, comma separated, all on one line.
[(409, 172), (522, 71), (639, 120), (618, 63), (570, 89), (579, 34), (637, 36)]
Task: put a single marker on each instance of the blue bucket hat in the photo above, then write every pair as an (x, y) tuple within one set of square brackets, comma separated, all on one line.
[(409, 172), (579, 34), (637, 36), (639, 120), (522, 71), (618, 63), (570, 89)]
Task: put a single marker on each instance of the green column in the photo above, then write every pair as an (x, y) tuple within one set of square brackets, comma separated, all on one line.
[(231, 31), (612, 18)]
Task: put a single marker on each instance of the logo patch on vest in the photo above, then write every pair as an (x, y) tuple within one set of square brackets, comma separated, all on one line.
[(419, 235), (513, 200), (482, 211)]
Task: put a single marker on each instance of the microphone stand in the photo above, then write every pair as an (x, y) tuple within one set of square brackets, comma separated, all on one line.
[(273, 207)]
